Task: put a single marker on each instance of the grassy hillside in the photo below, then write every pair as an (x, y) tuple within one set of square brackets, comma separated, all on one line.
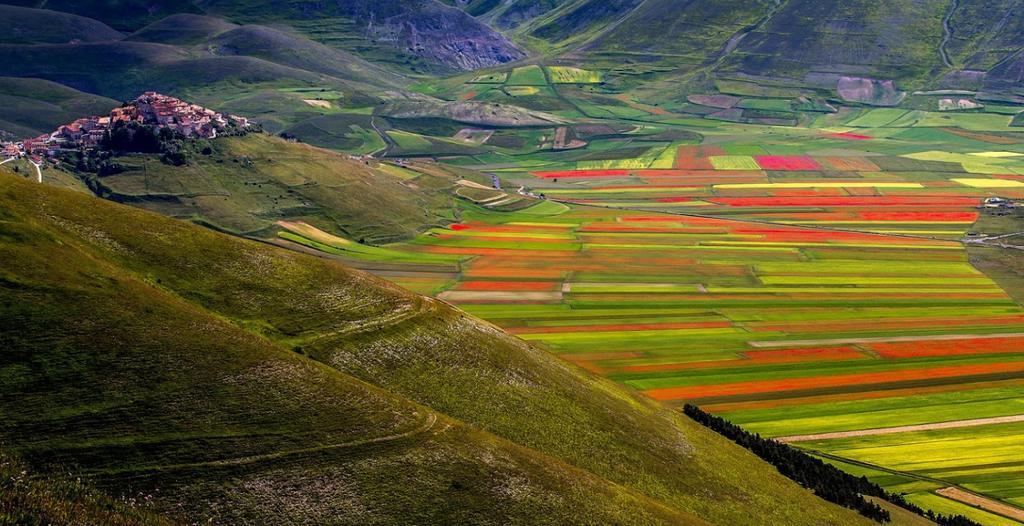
[(274, 75), (581, 19), (298, 52), (692, 34), (893, 40), (28, 499), (218, 37), (248, 183), (426, 30), (35, 106), (507, 15), (125, 15), (28, 26), (121, 70), (182, 29), (984, 33), (212, 398), (193, 57), (209, 422)]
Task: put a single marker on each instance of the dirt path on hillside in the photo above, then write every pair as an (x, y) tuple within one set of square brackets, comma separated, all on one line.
[(425, 428), (947, 33), (987, 504), (904, 429)]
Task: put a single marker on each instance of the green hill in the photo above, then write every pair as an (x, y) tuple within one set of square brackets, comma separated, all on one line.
[(125, 15), (246, 184), (231, 381), (34, 26), (121, 70), (182, 29), (426, 31), (36, 106), (920, 44), (295, 51), (28, 499), (511, 13)]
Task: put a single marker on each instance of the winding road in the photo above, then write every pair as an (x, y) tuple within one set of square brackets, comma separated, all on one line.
[(389, 143), (39, 170), (947, 32)]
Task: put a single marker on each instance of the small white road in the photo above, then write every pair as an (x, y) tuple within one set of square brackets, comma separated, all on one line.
[(39, 170)]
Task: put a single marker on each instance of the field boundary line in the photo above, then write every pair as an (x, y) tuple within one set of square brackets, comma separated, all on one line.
[(954, 424), (881, 339)]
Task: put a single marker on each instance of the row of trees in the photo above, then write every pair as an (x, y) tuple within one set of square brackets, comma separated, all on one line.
[(825, 480)]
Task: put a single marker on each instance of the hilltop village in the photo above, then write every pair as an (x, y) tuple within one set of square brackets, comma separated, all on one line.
[(150, 108)]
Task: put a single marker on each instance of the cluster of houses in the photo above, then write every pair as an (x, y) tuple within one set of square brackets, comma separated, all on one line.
[(150, 108)]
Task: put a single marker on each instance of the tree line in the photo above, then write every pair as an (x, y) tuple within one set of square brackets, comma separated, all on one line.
[(825, 480)]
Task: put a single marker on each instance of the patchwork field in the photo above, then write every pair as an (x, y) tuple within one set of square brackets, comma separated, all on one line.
[(808, 283), (897, 184), (784, 329)]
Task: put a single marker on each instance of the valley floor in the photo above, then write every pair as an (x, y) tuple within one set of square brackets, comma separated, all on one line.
[(796, 281)]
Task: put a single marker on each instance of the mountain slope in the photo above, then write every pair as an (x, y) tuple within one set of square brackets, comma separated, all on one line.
[(202, 398), (892, 40), (510, 13), (107, 370), (182, 29), (425, 29), (220, 38), (29, 500), (694, 29), (31, 26), (246, 184), (125, 15), (34, 106)]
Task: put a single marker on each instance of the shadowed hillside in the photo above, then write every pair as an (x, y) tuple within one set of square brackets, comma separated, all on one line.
[(37, 26), (34, 106)]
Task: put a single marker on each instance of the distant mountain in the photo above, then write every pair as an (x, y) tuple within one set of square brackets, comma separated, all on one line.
[(510, 13), (918, 43), (427, 31), (44, 26)]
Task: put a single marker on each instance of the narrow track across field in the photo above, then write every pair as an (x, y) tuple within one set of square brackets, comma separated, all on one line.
[(955, 424)]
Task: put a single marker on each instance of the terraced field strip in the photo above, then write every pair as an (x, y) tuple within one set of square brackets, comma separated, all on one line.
[(999, 508), (881, 339), (903, 429)]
